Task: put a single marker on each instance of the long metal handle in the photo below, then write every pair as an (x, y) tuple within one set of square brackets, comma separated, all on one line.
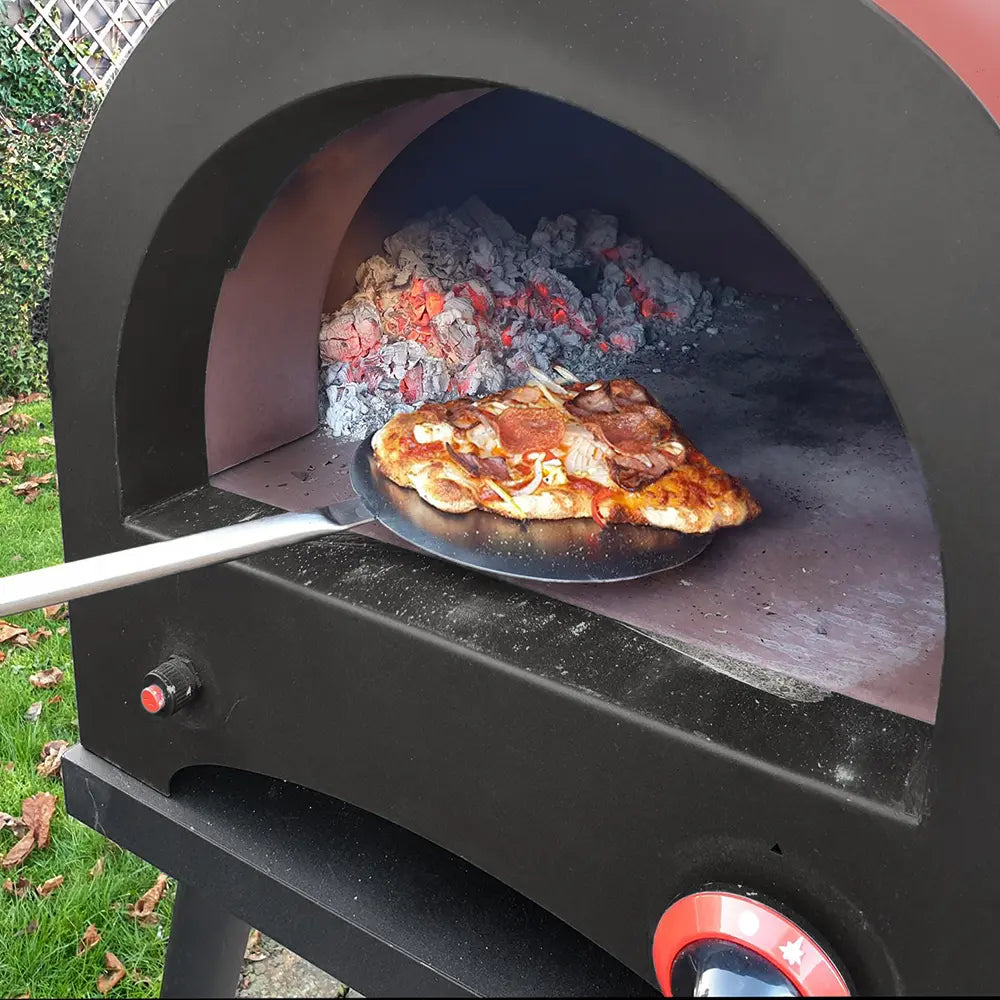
[(97, 574)]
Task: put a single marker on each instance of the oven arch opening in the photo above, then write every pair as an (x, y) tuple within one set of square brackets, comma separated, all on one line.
[(836, 589)]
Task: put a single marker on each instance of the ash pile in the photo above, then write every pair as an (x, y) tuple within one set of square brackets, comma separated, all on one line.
[(461, 304)]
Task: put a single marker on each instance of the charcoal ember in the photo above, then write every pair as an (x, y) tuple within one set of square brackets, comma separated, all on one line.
[(373, 274), (556, 236), (350, 333), (414, 238), (481, 376), (597, 232), (461, 303), (496, 227)]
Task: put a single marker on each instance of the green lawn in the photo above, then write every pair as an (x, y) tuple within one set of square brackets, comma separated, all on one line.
[(39, 936)]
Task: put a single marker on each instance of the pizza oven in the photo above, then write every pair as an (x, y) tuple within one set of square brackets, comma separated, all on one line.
[(799, 715)]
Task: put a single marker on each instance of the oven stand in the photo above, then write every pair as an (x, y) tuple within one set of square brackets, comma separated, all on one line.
[(372, 904)]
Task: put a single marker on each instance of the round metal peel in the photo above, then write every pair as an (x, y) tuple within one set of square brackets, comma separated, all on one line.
[(574, 550), (570, 551)]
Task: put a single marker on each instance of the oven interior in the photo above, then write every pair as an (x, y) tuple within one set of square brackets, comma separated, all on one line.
[(837, 587)]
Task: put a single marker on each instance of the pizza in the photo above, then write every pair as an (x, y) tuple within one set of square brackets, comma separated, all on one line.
[(547, 451)]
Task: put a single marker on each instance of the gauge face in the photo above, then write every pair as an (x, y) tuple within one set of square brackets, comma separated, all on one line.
[(725, 944), (715, 968)]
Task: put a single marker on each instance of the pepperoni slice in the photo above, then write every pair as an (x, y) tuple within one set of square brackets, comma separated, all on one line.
[(633, 433), (523, 429)]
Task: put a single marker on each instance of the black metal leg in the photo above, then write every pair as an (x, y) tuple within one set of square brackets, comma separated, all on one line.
[(205, 951)]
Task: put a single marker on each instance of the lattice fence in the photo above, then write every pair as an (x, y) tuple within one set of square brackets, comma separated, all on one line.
[(96, 35)]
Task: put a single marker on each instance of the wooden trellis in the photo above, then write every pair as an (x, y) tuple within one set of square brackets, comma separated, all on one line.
[(96, 35)]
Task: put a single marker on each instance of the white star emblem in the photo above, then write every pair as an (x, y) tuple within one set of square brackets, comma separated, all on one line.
[(792, 951)]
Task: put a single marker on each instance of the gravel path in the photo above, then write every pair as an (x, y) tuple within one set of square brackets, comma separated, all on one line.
[(271, 970)]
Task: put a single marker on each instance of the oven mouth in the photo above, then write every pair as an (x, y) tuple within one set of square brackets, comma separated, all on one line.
[(837, 588)]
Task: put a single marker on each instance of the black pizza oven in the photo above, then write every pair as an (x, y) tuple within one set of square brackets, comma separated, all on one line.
[(787, 718)]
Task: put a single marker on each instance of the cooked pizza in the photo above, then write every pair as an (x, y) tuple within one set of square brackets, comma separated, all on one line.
[(548, 451)]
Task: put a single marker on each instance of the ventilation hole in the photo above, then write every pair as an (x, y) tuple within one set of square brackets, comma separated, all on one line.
[(776, 849)]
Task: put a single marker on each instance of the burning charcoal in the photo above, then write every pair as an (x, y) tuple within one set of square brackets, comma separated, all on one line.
[(496, 227), (350, 333), (598, 232), (461, 303)]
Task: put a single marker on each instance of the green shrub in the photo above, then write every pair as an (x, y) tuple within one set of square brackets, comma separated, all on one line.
[(42, 127)]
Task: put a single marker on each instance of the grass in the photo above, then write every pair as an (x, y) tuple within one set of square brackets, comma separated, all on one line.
[(39, 936)]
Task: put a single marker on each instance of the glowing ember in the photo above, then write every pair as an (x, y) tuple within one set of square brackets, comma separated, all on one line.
[(462, 304)]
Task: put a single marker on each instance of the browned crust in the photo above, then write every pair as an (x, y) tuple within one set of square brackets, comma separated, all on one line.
[(695, 497)]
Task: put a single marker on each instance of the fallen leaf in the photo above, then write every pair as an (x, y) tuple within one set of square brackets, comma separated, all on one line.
[(15, 824), (54, 700), (15, 422), (52, 755), (50, 885), (90, 938), (143, 909), (31, 397), (57, 611), (9, 632), (47, 678), (98, 870), (9, 766), (253, 944), (44, 440), (37, 813), (62, 630), (18, 889), (34, 711), (14, 460), (5, 480), (6, 406), (3, 656), (18, 852), (117, 970)]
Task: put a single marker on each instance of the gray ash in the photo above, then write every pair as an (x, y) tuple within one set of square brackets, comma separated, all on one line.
[(462, 304)]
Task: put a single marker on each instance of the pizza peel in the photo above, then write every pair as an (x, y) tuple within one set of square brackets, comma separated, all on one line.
[(575, 550)]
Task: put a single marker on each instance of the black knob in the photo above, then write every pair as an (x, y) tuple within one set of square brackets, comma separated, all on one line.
[(169, 687)]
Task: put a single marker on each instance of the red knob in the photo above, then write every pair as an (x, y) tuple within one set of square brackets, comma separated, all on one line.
[(153, 698), (740, 920)]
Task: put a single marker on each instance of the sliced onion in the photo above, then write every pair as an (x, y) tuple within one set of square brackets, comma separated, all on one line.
[(503, 494), (536, 480)]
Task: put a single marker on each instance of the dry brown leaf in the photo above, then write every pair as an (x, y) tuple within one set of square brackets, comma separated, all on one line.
[(18, 889), (18, 852), (144, 907), (117, 970), (15, 824), (37, 813), (8, 766), (91, 938), (31, 397), (9, 632), (15, 422), (45, 439), (47, 678), (62, 630), (14, 460), (34, 711), (6, 405), (3, 656), (54, 700), (98, 870), (56, 611), (5, 480), (50, 885), (253, 945), (29, 488), (52, 755)]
